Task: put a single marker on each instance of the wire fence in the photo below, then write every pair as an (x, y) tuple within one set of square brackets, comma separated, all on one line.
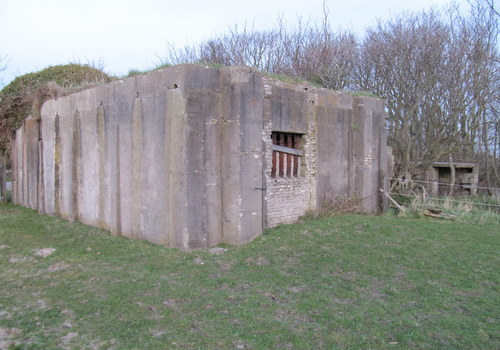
[(448, 199), (445, 200), (446, 184)]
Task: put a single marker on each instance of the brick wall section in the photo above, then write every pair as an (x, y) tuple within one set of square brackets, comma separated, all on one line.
[(287, 199)]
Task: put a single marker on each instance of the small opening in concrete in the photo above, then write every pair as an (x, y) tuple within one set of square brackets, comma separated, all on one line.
[(175, 86), (306, 89)]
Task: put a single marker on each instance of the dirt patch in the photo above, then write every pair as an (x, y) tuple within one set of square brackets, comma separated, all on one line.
[(66, 324), (342, 301), (58, 267), (6, 334), (158, 333), (399, 277), (172, 304), (296, 289), (277, 298), (3, 246), (67, 339), (42, 304), (240, 344), (217, 250), (44, 252), (19, 259), (349, 276), (226, 265), (260, 261), (198, 261), (374, 293)]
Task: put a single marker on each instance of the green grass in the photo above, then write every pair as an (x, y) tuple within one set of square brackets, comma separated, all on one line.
[(344, 282), (136, 72), (470, 209), (291, 80)]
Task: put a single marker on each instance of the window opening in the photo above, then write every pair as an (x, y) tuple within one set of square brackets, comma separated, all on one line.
[(286, 154)]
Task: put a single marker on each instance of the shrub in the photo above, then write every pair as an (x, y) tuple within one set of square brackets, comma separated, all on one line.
[(25, 94)]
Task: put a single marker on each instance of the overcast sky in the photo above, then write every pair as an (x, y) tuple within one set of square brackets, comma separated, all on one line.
[(133, 34)]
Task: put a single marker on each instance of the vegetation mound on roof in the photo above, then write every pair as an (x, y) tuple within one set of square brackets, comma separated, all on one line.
[(25, 94)]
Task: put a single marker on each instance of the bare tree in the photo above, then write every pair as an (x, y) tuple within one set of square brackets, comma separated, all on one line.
[(437, 70), (403, 61), (491, 5), (439, 77), (3, 66)]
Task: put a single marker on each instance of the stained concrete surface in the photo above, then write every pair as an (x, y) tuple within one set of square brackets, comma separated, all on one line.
[(178, 156)]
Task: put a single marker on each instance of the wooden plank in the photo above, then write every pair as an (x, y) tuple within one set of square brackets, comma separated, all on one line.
[(401, 208), (288, 150)]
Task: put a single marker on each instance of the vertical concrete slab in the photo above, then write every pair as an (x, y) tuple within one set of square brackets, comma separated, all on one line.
[(367, 136), (203, 157), (101, 165), (76, 169), (57, 165), (111, 188), (213, 181), (200, 108), (125, 99), (175, 142), (242, 165), (89, 164), (137, 167), (153, 201), (230, 165), (17, 167), (152, 198), (251, 170), (25, 172), (334, 127), (31, 158), (66, 113), (47, 120)]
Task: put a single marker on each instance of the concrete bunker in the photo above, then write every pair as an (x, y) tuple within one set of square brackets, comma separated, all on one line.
[(439, 178), (192, 156)]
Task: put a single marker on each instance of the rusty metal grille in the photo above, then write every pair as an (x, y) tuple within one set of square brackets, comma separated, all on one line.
[(286, 154)]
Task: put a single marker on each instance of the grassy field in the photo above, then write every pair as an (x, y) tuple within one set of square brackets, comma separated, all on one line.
[(344, 282)]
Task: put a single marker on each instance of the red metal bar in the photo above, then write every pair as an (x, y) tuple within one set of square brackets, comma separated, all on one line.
[(288, 143), (282, 156), (295, 144), (273, 169)]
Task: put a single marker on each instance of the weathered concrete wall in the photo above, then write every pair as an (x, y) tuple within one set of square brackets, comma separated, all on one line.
[(181, 156), (344, 145), (25, 159)]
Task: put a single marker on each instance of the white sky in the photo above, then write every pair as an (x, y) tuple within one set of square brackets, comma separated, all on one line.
[(133, 34)]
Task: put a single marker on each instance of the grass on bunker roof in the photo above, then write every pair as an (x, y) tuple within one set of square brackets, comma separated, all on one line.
[(344, 282)]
